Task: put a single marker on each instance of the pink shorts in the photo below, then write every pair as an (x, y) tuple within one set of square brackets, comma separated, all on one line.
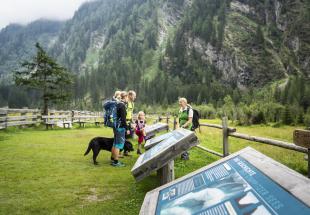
[(139, 133)]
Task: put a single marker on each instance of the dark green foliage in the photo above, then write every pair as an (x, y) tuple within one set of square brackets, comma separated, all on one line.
[(18, 98), (307, 118), (259, 36), (259, 118), (286, 116), (45, 75)]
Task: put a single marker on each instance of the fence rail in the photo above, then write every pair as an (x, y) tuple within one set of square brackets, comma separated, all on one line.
[(232, 132), (278, 143), (22, 117)]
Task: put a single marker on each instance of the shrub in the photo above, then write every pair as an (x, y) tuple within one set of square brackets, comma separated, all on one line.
[(258, 118), (286, 116), (206, 111)]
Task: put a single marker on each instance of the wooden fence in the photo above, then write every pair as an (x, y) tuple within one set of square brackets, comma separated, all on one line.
[(232, 132), (17, 117), (20, 117)]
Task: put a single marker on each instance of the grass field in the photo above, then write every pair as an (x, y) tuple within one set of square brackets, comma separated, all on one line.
[(45, 172)]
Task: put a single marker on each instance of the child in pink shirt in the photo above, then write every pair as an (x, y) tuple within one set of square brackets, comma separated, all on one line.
[(140, 125)]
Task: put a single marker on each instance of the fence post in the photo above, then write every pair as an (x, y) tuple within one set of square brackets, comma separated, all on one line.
[(72, 116), (174, 122), (52, 113), (3, 118), (23, 114), (308, 162), (34, 114), (225, 137)]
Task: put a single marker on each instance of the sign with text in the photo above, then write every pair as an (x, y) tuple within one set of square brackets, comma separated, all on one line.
[(154, 141), (156, 157), (151, 130), (232, 187)]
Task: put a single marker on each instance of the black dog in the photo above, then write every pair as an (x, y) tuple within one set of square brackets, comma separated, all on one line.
[(98, 143)]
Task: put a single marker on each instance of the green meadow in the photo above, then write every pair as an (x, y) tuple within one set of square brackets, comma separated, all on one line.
[(45, 172)]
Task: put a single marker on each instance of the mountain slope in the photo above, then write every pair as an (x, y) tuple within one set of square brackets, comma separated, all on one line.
[(216, 46), (249, 42), (17, 42), (201, 49)]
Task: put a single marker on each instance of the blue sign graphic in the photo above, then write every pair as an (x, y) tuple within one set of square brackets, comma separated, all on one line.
[(231, 188)]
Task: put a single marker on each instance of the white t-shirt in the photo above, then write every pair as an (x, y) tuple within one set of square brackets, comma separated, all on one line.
[(190, 112)]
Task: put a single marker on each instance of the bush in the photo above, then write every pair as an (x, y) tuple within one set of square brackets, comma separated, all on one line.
[(206, 111), (258, 118), (243, 114), (286, 116), (276, 125)]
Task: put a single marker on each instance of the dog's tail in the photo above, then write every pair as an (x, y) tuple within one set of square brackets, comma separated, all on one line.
[(88, 149)]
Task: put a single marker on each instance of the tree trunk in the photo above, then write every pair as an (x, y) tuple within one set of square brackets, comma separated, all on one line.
[(45, 106)]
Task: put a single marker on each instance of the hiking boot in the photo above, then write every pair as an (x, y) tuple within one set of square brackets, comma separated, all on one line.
[(118, 164), (139, 152)]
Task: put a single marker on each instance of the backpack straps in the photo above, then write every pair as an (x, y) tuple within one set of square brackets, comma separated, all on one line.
[(188, 109)]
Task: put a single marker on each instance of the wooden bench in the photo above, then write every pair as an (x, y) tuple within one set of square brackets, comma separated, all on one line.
[(82, 120), (51, 121)]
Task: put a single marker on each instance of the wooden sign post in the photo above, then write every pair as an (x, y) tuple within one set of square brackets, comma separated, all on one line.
[(166, 173), (302, 138)]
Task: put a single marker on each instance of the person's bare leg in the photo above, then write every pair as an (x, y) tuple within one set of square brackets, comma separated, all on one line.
[(112, 153), (116, 154), (139, 149)]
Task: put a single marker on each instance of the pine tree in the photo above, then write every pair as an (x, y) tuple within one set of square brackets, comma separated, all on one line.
[(286, 116), (199, 99), (45, 75), (300, 119), (169, 49), (259, 36)]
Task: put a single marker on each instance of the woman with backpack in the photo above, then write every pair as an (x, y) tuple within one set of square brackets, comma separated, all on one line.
[(120, 130), (185, 119)]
